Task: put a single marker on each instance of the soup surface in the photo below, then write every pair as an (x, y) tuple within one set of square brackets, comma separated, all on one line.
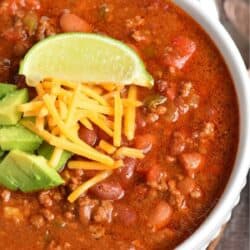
[(187, 128)]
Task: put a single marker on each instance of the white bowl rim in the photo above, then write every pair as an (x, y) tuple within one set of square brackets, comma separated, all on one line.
[(222, 211)]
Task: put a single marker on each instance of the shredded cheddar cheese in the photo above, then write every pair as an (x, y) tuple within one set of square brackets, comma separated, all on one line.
[(40, 122), (86, 123), (118, 119), (97, 120), (55, 158), (130, 113), (88, 184), (129, 152), (106, 147), (88, 165), (61, 108)]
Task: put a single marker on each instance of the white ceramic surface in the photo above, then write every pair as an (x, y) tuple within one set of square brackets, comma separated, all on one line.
[(222, 212)]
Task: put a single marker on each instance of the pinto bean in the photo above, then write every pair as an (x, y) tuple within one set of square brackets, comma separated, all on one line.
[(191, 162), (127, 215), (186, 186), (160, 216), (85, 209), (108, 190), (73, 23), (87, 135), (145, 142)]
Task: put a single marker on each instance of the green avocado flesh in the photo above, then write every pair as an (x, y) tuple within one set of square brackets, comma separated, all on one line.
[(20, 170), (1, 153), (46, 150), (18, 137), (6, 88), (9, 115)]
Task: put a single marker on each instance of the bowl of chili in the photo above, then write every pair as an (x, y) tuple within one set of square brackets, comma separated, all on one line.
[(87, 164)]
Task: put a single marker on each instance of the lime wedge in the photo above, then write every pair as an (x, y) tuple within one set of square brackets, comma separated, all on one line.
[(82, 57)]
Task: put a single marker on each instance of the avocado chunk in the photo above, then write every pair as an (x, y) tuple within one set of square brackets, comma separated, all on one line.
[(6, 88), (9, 115), (18, 137), (46, 150), (27, 172)]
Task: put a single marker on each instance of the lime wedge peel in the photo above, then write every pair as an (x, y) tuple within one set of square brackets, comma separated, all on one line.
[(84, 57)]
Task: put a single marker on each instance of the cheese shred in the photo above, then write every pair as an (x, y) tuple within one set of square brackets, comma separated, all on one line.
[(55, 157), (88, 165), (129, 152), (118, 119), (107, 147), (88, 184), (130, 114)]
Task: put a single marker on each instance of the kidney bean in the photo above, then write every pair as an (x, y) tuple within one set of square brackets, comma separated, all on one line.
[(160, 216), (73, 23), (126, 173), (108, 190), (127, 215), (87, 135)]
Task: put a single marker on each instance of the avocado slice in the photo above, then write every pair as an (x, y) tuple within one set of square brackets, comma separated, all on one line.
[(18, 137), (6, 88), (27, 172), (9, 115), (46, 150), (1, 153)]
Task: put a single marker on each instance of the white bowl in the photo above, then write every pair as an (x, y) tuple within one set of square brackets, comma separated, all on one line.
[(210, 228)]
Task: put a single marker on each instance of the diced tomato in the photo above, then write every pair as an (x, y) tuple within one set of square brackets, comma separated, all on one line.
[(161, 215), (179, 52), (192, 162), (184, 46)]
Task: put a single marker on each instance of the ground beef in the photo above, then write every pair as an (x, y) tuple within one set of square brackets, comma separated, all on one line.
[(104, 212)]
